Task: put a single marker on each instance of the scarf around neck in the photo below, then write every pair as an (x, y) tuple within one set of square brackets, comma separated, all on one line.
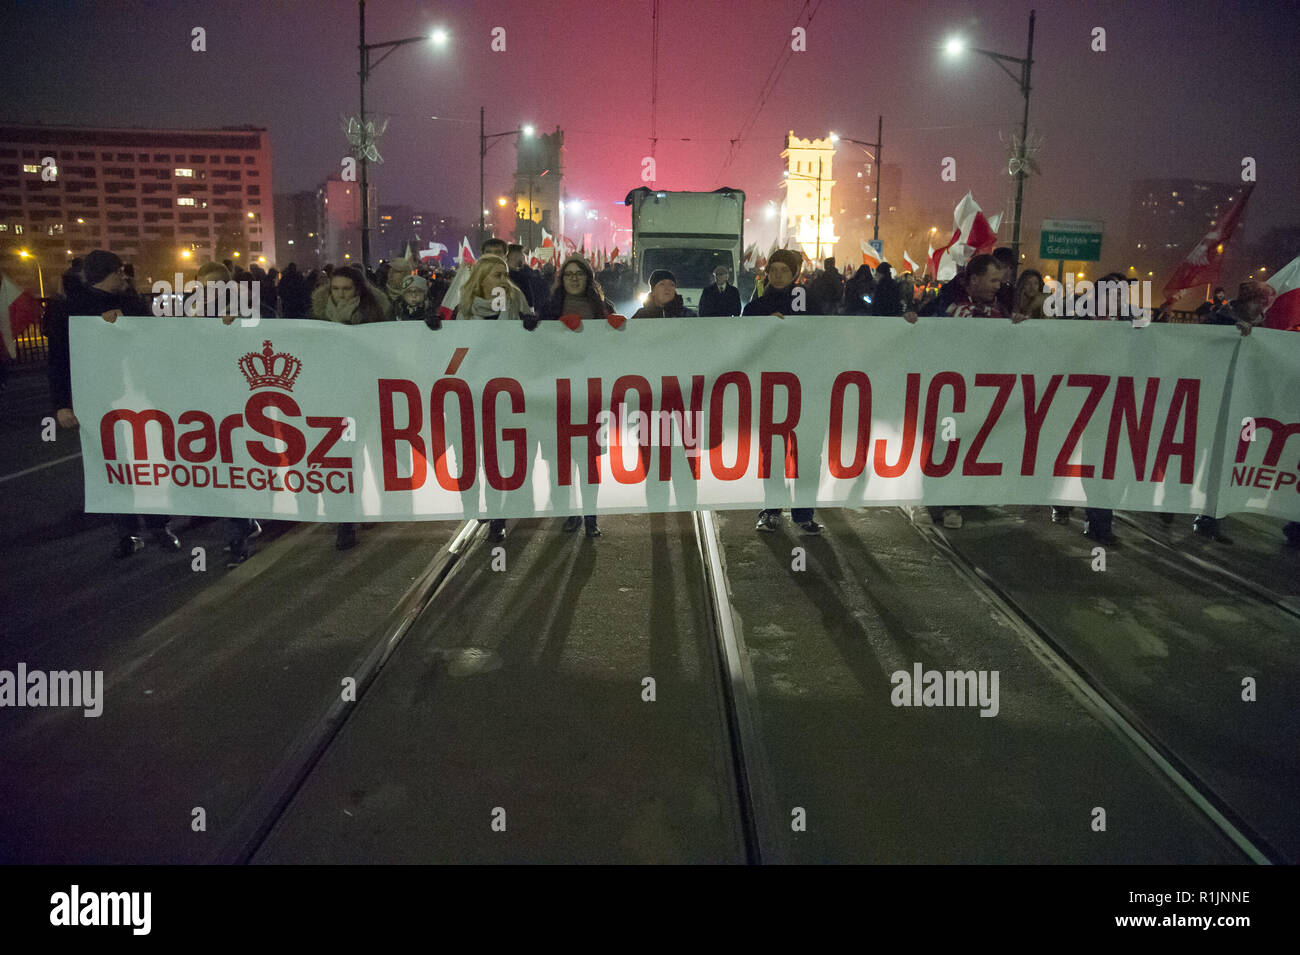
[(344, 312)]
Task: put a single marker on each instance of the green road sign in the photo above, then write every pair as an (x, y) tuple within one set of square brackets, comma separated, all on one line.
[(1072, 240)]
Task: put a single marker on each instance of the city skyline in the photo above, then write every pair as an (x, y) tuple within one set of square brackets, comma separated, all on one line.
[(1164, 111)]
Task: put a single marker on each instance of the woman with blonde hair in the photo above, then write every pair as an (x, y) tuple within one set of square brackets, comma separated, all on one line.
[(489, 293)]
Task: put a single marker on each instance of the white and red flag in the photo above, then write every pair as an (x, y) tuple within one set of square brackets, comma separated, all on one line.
[(911, 266), (447, 310), (973, 234), (869, 255), (1284, 313), (1201, 267), (18, 311), (466, 254)]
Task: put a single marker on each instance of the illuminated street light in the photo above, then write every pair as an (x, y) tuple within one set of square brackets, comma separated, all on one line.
[(439, 38), (501, 201), (955, 46), (40, 275)]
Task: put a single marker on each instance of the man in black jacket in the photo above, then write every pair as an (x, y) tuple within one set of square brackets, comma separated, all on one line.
[(529, 280), (782, 297), (104, 293), (664, 302), (721, 298)]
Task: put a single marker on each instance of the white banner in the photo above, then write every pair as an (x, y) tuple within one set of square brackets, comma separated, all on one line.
[(304, 420)]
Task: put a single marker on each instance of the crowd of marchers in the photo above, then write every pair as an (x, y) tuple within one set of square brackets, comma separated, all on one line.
[(502, 285)]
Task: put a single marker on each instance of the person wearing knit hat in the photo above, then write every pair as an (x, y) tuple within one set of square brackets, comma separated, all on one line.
[(663, 300), (413, 304), (99, 265), (780, 299)]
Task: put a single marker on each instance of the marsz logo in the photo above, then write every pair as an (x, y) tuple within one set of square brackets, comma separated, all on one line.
[(1268, 477), (84, 688), (242, 300), (209, 439), (74, 907), (1112, 300), (947, 688)]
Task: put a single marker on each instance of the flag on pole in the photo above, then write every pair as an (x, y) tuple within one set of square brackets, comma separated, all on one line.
[(911, 265), (447, 310), (870, 257), (613, 256), (930, 261), (1202, 264), (18, 311), (1284, 313), (466, 255)]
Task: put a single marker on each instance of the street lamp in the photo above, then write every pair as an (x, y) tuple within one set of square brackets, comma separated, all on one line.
[(40, 276), (954, 47), (483, 145), (875, 157), (439, 38)]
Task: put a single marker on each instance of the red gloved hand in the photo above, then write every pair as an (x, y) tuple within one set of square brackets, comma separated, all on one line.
[(572, 322), (617, 321)]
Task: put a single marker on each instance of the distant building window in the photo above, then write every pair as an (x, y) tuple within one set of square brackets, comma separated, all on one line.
[(196, 159), (183, 173), (248, 160), (231, 160), (185, 200), (162, 157), (18, 228), (4, 227), (28, 167)]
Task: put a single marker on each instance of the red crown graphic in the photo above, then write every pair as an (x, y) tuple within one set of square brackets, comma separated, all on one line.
[(270, 369)]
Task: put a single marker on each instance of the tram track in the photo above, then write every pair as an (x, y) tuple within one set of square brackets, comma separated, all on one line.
[(1116, 713)]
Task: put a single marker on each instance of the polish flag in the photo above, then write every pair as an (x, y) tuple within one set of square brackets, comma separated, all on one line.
[(18, 312), (1201, 267), (1284, 313), (808, 263), (911, 266), (613, 256), (869, 256), (466, 255), (447, 310)]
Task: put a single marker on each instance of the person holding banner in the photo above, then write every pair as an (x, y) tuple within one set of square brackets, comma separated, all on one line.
[(102, 291), (347, 299), (1246, 312), (490, 295), (578, 297), (778, 299)]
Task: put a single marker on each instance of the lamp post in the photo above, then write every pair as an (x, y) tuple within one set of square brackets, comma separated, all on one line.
[(483, 146), (1026, 63), (40, 276), (875, 157), (438, 37)]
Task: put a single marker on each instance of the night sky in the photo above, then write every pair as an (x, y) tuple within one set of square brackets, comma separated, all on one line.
[(1183, 90)]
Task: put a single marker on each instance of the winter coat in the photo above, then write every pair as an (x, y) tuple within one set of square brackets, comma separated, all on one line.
[(82, 300), (774, 300), (531, 284), (715, 301), (887, 300), (674, 309)]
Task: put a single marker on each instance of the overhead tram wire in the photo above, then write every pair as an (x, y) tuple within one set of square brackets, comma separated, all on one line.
[(768, 87)]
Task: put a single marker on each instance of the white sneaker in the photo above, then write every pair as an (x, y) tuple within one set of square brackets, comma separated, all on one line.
[(952, 519)]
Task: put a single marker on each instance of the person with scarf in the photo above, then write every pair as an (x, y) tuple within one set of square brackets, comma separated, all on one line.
[(578, 295), (489, 295), (347, 299)]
